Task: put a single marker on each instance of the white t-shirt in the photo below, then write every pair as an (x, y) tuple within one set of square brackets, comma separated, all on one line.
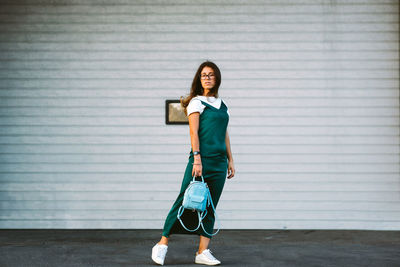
[(195, 104)]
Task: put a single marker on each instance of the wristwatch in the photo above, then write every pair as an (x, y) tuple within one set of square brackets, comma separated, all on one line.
[(196, 152)]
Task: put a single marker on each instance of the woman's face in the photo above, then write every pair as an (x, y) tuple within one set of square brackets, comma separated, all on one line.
[(207, 82)]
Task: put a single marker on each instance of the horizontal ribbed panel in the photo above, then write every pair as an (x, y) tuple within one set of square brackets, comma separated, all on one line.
[(312, 89)]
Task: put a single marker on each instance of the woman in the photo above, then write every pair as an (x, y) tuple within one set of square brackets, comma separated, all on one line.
[(210, 157)]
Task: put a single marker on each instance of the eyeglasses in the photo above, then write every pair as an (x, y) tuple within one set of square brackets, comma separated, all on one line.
[(210, 76)]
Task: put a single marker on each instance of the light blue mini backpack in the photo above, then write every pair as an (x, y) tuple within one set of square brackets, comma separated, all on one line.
[(197, 197)]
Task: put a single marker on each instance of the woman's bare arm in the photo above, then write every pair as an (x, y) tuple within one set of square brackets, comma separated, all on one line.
[(194, 120), (228, 147), (231, 165)]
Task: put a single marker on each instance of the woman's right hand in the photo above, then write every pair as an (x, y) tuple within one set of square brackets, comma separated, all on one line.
[(197, 169)]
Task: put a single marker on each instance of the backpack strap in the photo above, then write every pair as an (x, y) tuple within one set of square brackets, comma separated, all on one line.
[(201, 217), (215, 213)]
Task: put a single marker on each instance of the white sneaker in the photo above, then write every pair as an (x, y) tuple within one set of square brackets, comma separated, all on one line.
[(158, 253), (206, 257)]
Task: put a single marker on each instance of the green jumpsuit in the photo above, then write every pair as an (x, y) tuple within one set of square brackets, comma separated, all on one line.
[(212, 131)]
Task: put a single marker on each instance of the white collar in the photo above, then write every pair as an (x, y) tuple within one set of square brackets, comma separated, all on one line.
[(213, 99)]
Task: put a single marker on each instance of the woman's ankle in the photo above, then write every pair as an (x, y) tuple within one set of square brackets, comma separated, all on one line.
[(163, 241), (199, 251)]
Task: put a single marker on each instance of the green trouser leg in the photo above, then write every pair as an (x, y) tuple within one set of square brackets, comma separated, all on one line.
[(214, 174)]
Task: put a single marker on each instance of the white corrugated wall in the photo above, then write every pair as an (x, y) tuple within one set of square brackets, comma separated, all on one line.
[(312, 87)]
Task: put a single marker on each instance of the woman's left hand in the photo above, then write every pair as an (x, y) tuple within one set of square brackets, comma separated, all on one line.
[(231, 169)]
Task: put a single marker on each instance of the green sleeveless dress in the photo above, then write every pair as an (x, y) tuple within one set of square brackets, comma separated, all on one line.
[(212, 131)]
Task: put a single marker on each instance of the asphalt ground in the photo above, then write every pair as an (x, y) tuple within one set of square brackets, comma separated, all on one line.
[(83, 247)]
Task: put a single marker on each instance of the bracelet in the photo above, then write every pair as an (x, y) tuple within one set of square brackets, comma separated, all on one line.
[(196, 163)]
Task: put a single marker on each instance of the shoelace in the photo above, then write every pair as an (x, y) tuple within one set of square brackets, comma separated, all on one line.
[(209, 255), (161, 252)]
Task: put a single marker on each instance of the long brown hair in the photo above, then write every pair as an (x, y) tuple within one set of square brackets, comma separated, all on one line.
[(197, 88)]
